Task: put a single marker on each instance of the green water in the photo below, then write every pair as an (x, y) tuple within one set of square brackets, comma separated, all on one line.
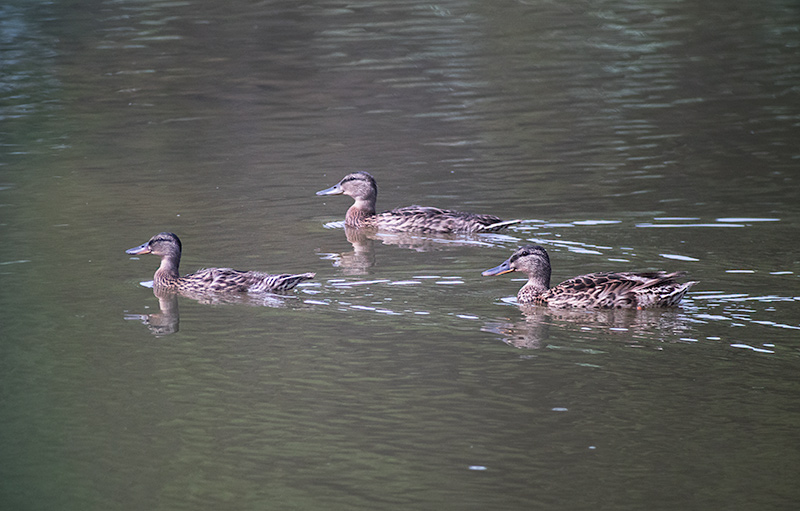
[(626, 135)]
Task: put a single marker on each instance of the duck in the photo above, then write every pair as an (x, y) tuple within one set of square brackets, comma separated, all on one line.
[(168, 246), (362, 187), (611, 290)]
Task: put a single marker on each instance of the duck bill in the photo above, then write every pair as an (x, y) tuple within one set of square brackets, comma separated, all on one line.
[(505, 267), (141, 249), (333, 190)]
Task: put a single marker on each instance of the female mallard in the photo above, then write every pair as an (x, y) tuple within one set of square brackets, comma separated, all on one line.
[(361, 186), (167, 246), (595, 290)]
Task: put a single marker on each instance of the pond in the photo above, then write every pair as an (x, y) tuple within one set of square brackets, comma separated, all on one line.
[(624, 136)]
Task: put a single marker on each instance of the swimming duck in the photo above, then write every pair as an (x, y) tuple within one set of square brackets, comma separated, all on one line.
[(167, 246), (362, 187), (593, 290)]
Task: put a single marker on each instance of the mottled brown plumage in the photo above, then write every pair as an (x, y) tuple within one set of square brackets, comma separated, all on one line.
[(361, 186), (638, 290), (168, 247)]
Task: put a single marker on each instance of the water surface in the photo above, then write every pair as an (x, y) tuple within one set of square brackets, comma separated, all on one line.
[(626, 135)]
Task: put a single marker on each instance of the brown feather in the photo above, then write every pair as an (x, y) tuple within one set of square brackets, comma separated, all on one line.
[(423, 219), (594, 290), (214, 280)]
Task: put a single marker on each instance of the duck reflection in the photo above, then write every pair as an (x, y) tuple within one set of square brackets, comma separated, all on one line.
[(362, 257), (167, 320), (533, 330), (164, 322)]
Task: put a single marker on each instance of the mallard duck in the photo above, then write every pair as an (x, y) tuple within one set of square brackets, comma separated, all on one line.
[(593, 290), (362, 188), (167, 246)]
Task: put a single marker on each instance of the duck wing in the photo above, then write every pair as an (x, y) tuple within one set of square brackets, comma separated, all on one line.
[(428, 219), (264, 282), (230, 280), (618, 290)]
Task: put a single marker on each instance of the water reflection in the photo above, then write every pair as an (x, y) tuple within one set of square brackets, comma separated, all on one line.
[(363, 241), (533, 330), (361, 259), (739, 309), (167, 320), (164, 322)]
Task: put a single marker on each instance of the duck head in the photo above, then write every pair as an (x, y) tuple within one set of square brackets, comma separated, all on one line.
[(531, 260), (162, 244), (360, 186)]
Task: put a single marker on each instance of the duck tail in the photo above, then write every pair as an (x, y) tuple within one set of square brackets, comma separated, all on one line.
[(266, 283), (685, 287), (289, 281), (498, 225), (676, 295)]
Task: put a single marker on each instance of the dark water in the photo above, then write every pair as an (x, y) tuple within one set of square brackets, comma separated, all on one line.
[(628, 135)]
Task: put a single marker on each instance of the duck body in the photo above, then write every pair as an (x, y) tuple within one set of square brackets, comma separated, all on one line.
[(361, 186), (607, 290), (425, 219), (618, 290), (228, 280), (214, 280)]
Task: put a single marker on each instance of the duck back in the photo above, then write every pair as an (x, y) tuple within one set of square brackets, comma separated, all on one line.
[(426, 219), (230, 280), (617, 290)]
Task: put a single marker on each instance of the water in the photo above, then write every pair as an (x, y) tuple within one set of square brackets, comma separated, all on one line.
[(627, 135)]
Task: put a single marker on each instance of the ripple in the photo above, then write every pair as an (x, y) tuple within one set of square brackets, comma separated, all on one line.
[(338, 224), (777, 325), (743, 297), (712, 317), (647, 225), (572, 246), (580, 250), (720, 297), (747, 346), (315, 302), (747, 219), (341, 283), (18, 261), (596, 222), (679, 257)]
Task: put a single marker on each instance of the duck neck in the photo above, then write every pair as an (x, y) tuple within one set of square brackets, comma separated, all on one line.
[(360, 211), (167, 273), (538, 282)]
